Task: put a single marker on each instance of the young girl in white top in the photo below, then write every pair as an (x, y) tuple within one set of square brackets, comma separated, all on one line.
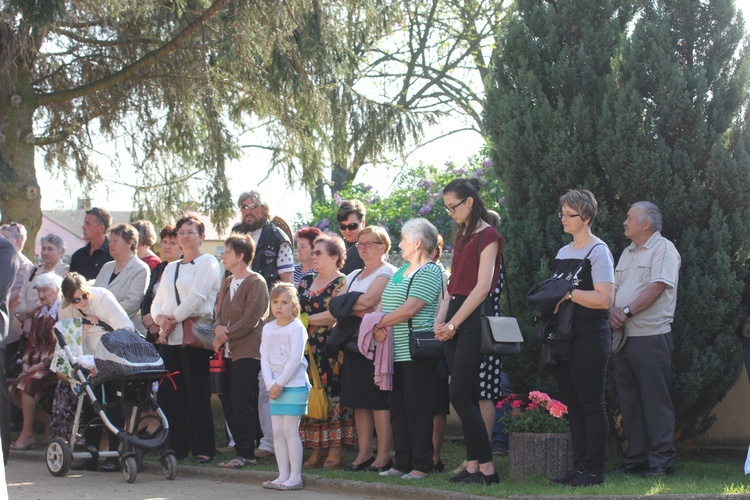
[(284, 368)]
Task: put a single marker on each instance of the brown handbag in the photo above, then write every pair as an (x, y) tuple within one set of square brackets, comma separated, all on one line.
[(193, 334)]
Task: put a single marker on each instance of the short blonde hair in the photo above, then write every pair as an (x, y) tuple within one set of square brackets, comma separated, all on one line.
[(583, 202), (287, 288), (380, 234)]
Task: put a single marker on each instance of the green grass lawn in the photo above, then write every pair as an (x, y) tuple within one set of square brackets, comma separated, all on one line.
[(696, 472)]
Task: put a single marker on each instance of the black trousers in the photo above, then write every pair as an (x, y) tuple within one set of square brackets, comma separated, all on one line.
[(581, 382), (411, 403), (462, 354), (243, 419), (4, 409)]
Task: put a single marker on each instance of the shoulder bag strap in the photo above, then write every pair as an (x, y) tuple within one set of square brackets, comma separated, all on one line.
[(177, 273), (580, 266), (353, 280), (314, 375), (32, 273)]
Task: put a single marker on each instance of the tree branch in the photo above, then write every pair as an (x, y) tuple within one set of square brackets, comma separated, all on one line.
[(147, 60)]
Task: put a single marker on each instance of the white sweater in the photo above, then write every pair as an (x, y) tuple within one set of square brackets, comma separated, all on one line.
[(282, 355)]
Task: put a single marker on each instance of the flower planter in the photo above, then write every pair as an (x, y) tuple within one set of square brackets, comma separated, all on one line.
[(548, 454)]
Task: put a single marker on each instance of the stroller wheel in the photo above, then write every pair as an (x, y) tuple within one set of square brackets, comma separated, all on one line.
[(129, 469), (169, 466), (58, 457)]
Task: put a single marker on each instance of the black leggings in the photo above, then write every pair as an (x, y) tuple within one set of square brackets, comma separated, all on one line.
[(462, 354)]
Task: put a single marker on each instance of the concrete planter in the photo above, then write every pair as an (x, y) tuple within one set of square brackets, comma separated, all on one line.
[(548, 454)]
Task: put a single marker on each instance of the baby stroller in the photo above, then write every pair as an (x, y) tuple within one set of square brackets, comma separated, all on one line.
[(131, 379)]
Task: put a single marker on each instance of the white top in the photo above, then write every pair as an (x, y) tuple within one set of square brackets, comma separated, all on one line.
[(362, 284), (105, 307), (198, 283), (28, 299), (282, 355)]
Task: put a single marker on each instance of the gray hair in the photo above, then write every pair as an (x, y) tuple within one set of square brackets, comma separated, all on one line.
[(50, 280), (423, 230), (257, 199), (55, 240), (649, 212)]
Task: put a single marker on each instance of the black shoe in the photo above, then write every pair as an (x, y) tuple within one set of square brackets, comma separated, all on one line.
[(481, 478), (566, 478), (585, 479), (439, 467), (632, 469), (658, 471), (109, 465), (459, 477), (89, 464), (360, 467), (372, 468)]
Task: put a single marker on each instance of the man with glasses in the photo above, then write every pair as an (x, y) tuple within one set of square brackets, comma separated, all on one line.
[(88, 260), (8, 270), (646, 279), (351, 219), (274, 261)]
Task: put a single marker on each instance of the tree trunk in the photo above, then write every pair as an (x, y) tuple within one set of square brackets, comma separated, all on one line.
[(20, 198), (340, 177)]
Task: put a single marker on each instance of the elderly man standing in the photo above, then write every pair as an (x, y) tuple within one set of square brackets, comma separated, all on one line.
[(88, 260), (274, 261), (645, 298)]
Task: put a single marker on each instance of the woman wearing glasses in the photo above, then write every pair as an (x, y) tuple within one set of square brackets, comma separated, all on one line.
[(475, 272), (102, 311), (351, 219), (358, 389), (581, 380), (305, 238), (327, 437), (188, 290)]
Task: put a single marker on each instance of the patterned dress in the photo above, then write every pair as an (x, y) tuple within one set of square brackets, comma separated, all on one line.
[(40, 348), (339, 429), (490, 386)]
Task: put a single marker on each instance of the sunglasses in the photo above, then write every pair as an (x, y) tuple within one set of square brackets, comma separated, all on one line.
[(249, 207), (83, 297), (349, 227), (317, 253)]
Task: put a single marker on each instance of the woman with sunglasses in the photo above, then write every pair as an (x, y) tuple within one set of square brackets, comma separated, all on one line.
[(351, 219), (475, 272), (101, 311), (188, 290), (326, 437)]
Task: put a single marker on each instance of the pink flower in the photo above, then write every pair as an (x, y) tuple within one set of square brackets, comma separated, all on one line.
[(539, 397), (557, 409), (516, 404)]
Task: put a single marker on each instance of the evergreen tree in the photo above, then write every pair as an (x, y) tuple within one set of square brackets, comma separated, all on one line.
[(668, 126)]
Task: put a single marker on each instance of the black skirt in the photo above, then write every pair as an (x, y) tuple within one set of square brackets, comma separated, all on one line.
[(358, 389)]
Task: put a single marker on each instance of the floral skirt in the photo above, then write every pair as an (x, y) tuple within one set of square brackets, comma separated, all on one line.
[(63, 410), (339, 430)]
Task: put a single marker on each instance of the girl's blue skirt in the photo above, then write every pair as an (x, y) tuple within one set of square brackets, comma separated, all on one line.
[(293, 401)]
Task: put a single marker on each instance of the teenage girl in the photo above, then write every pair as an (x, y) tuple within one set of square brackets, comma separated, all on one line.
[(284, 367)]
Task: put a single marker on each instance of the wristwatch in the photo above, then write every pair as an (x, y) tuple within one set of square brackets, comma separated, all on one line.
[(627, 312), (451, 327)]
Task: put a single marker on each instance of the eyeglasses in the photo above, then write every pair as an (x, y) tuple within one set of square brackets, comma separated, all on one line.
[(367, 244), (567, 216), (249, 207), (452, 208), (83, 297), (317, 253), (186, 233), (350, 227)]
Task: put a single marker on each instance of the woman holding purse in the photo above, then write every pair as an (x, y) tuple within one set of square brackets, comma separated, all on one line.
[(188, 290)]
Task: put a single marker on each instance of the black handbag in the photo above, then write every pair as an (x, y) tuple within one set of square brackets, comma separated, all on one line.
[(423, 345), (500, 335)]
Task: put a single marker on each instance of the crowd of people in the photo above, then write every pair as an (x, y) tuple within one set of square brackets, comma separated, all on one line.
[(277, 321)]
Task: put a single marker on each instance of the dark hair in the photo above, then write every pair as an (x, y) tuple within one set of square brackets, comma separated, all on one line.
[(169, 231), (351, 207), (241, 244), (128, 233), (193, 218), (335, 247), (468, 188), (72, 282), (308, 233), (146, 232), (103, 216)]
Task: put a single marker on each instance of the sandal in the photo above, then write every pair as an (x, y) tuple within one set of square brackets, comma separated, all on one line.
[(28, 445), (237, 463), (314, 462)]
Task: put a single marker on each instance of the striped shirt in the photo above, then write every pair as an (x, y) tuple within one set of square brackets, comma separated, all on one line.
[(426, 286)]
